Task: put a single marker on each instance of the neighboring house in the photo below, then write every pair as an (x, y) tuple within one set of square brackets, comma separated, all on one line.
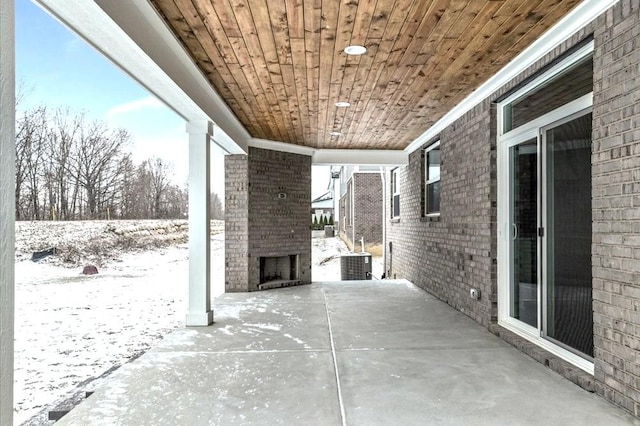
[(322, 207), (360, 207)]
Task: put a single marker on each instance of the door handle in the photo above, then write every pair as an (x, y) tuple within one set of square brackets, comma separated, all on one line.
[(515, 231)]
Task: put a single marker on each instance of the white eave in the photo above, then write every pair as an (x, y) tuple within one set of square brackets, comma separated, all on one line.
[(372, 157), (329, 157)]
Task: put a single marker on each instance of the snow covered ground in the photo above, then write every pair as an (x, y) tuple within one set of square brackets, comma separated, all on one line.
[(71, 328)]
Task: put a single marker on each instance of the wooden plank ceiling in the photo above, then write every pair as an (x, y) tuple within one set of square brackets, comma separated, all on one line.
[(280, 65)]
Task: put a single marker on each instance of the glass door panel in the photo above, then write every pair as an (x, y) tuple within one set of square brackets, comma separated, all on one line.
[(567, 216), (523, 172)]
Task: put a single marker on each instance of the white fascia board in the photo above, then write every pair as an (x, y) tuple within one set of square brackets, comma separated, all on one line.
[(334, 157), (360, 157), (582, 15), (132, 36), (281, 146)]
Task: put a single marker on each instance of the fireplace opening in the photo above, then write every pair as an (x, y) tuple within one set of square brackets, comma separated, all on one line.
[(279, 271)]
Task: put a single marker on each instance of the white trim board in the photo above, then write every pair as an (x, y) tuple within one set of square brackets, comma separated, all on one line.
[(360, 157), (7, 205), (582, 15), (281, 146), (331, 157)]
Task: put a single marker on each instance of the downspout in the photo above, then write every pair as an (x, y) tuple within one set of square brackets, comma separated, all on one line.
[(384, 220)]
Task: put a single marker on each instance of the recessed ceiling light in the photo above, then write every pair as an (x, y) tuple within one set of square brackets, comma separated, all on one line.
[(355, 50), (335, 133), (343, 104)]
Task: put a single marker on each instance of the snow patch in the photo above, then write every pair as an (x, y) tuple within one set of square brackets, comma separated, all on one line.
[(272, 327), (226, 330), (298, 341)]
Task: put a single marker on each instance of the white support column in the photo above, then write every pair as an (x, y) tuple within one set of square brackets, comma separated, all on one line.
[(200, 312), (7, 206)]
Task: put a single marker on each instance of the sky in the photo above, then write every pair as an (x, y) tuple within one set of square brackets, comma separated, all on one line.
[(55, 68)]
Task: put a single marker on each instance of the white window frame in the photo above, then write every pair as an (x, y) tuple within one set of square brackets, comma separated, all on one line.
[(395, 192), (428, 182), (505, 141)]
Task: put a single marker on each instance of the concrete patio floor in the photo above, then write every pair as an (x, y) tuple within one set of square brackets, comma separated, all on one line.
[(345, 353)]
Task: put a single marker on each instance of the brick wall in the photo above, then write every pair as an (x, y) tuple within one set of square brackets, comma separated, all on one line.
[(368, 208), (616, 205), (368, 217), (450, 254), (236, 225), (456, 251), (264, 222)]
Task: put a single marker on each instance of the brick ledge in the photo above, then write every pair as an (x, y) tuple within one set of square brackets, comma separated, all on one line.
[(560, 366)]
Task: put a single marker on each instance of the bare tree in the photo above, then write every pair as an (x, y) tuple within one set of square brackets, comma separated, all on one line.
[(22, 141), (126, 190), (61, 147), (68, 169), (177, 201), (98, 154), (31, 134), (159, 174), (216, 209), (144, 202)]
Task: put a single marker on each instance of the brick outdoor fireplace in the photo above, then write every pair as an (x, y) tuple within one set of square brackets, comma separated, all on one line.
[(267, 220), (278, 271)]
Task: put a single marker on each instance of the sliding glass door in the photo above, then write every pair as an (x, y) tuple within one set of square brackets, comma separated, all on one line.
[(550, 234), (523, 211), (567, 240), (544, 209)]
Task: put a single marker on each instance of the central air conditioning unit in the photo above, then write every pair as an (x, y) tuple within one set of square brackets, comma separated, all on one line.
[(329, 231), (355, 266)]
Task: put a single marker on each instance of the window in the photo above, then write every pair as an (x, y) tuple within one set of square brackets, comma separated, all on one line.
[(395, 191), (432, 179), (569, 84)]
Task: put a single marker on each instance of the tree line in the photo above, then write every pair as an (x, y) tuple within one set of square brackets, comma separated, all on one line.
[(70, 168)]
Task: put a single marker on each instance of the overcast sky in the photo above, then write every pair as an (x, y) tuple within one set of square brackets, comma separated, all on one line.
[(55, 68)]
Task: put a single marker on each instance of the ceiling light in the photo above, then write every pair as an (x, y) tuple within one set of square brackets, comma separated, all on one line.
[(355, 50), (335, 133), (343, 104)]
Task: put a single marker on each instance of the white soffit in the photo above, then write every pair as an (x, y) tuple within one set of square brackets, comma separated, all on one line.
[(134, 38), (331, 157), (361, 157), (582, 15), (281, 146)]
